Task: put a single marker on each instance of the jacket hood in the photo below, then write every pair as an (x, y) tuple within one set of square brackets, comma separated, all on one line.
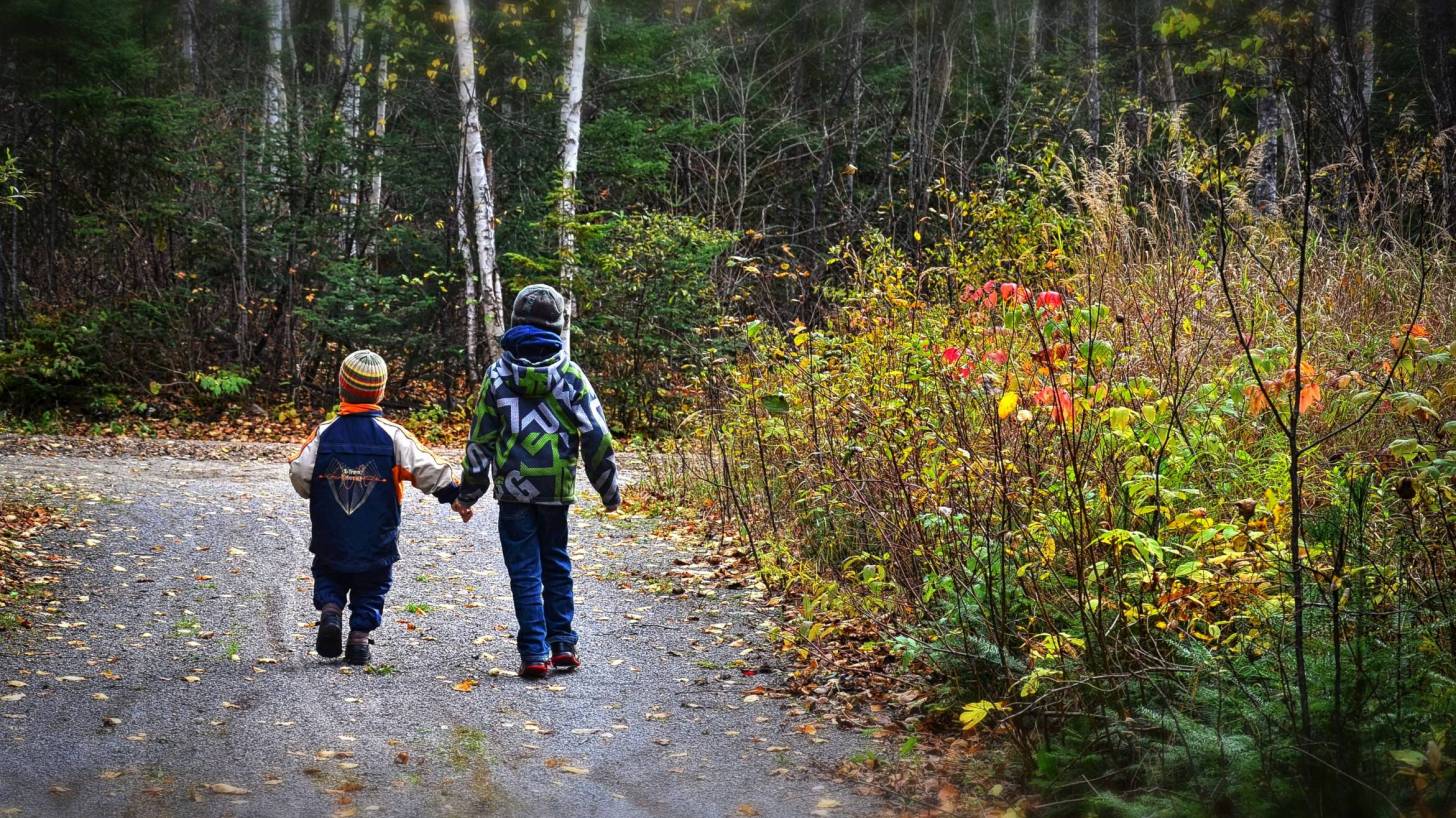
[(536, 379)]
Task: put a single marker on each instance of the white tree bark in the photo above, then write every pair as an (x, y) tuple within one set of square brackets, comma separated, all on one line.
[(1033, 33), (574, 29), (187, 30), (348, 43), (482, 197), (381, 121), (467, 259), (275, 95)]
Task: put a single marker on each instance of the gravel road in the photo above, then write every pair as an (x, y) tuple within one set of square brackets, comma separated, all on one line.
[(176, 677)]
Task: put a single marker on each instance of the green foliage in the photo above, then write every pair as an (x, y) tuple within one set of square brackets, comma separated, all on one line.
[(223, 383), (52, 362), (648, 309)]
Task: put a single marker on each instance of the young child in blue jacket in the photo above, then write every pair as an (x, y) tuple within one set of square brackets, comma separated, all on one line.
[(536, 413), (352, 470)]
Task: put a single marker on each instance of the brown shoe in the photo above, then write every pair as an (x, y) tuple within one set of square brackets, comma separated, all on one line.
[(330, 641), (357, 651)]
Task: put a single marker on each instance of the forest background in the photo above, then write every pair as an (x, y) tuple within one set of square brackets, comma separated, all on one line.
[(1079, 372)]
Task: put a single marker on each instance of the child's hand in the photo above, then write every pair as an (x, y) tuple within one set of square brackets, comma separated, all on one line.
[(465, 512)]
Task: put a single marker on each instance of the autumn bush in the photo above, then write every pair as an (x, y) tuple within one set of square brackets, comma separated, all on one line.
[(1040, 461)]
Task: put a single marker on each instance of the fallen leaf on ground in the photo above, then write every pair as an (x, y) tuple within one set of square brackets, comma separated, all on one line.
[(464, 685), (227, 789)]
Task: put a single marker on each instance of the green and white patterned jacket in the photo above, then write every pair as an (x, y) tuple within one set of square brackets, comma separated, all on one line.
[(531, 422)]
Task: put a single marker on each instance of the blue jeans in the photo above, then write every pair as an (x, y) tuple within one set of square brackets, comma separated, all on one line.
[(364, 592), (533, 542)]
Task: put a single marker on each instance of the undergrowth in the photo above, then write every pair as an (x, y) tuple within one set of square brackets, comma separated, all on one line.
[(1049, 465)]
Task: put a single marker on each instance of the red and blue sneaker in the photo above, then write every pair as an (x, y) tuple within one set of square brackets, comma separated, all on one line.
[(535, 668), (565, 659)]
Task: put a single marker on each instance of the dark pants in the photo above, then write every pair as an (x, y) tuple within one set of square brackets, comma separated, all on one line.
[(533, 542), (364, 592)]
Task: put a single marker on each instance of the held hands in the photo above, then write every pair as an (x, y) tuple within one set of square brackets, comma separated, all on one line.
[(465, 512)]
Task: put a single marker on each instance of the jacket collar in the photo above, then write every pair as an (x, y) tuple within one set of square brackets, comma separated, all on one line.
[(359, 409)]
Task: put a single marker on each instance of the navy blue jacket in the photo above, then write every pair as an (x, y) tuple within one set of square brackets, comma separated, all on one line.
[(352, 470)]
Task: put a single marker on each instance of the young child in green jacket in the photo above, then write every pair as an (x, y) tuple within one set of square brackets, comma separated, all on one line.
[(536, 414)]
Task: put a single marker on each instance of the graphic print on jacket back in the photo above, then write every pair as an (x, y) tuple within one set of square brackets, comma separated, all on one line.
[(531, 422), (350, 486), (356, 521)]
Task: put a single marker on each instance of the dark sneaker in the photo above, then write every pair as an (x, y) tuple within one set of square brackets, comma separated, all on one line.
[(535, 668), (357, 651), (564, 659), (330, 642)]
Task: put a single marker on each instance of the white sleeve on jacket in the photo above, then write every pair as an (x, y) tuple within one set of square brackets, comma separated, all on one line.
[(300, 467), (418, 464)]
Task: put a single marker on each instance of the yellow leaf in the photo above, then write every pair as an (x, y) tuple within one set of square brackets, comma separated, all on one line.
[(1007, 405), (975, 713), (465, 686)]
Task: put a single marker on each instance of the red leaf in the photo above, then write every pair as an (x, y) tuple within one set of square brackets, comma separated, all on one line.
[(1048, 300)]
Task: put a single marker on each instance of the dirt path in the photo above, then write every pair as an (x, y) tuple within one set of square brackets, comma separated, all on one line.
[(177, 678)]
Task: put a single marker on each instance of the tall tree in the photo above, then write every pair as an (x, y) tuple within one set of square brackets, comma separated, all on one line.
[(275, 95), (348, 45), (467, 260), (187, 35), (482, 195), (574, 28), (381, 122)]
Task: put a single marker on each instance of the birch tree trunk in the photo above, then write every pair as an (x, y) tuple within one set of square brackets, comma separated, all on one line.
[(482, 197), (275, 96), (347, 47), (381, 121), (187, 32), (1033, 32), (467, 260), (573, 30)]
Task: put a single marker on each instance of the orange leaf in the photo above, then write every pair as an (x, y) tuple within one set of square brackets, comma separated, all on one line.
[(1255, 396), (1308, 396)]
